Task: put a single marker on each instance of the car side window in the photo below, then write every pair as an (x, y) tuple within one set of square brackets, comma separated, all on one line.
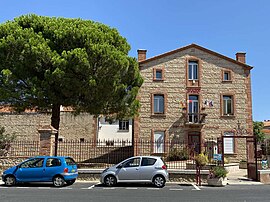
[(148, 161), (132, 163), (33, 163), (53, 162)]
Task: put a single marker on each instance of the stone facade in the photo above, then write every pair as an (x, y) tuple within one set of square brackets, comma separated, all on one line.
[(210, 86), (25, 125)]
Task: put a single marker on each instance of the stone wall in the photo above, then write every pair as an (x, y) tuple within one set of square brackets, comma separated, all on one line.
[(26, 125)]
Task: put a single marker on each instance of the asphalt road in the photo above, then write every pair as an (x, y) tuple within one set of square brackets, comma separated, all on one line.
[(134, 193)]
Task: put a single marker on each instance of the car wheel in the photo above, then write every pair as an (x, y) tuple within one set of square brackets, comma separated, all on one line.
[(159, 181), (70, 182), (10, 180), (58, 181), (110, 181)]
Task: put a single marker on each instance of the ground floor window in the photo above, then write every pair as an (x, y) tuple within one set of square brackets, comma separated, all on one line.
[(228, 143), (159, 142)]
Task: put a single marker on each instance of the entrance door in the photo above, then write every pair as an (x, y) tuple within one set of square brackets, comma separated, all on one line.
[(194, 143)]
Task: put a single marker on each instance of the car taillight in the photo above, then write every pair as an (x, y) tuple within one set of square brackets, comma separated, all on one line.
[(66, 170), (164, 167)]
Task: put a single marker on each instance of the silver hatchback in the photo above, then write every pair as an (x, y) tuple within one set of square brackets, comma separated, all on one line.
[(138, 169)]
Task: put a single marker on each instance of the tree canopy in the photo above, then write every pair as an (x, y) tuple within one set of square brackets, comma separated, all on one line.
[(257, 130), (46, 62)]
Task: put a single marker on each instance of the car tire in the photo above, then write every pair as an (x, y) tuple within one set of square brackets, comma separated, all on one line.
[(159, 181), (58, 181), (110, 181), (70, 182), (10, 180)]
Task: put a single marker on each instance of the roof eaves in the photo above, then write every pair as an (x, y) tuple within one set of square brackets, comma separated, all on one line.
[(248, 67)]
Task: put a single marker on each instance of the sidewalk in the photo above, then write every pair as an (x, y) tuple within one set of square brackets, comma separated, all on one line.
[(239, 176)]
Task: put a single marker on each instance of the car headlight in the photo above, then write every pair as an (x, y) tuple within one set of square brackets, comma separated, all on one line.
[(104, 171)]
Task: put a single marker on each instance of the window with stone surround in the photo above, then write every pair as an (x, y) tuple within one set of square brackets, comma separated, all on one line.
[(226, 76), (158, 74), (193, 70), (229, 143), (228, 105), (159, 142), (159, 104)]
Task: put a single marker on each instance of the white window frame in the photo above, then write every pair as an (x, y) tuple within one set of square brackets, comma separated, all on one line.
[(193, 67), (225, 105), (158, 109), (194, 106), (159, 142), (123, 125), (229, 143)]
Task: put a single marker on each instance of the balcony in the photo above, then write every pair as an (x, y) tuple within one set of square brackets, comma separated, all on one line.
[(194, 118)]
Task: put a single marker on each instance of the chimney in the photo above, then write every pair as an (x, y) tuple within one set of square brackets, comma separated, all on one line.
[(141, 55), (241, 57)]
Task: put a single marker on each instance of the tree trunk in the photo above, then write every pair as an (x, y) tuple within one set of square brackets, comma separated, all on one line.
[(55, 122)]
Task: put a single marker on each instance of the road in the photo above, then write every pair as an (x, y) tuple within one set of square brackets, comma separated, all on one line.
[(134, 193)]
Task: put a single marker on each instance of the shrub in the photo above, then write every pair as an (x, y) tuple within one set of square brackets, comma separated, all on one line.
[(218, 172), (177, 154), (5, 141), (201, 160)]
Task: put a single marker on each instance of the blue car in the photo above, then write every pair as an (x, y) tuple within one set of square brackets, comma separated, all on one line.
[(56, 169)]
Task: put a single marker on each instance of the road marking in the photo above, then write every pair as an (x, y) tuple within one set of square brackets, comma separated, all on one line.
[(176, 189), (22, 187), (91, 187), (44, 187), (196, 187), (3, 187), (66, 188), (131, 188), (109, 188), (153, 188)]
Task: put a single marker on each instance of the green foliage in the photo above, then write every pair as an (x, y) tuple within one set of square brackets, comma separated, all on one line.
[(257, 131), (177, 154), (5, 141), (217, 172), (47, 62), (201, 160)]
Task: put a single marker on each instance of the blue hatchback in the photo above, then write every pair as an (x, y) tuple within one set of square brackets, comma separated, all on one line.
[(56, 169)]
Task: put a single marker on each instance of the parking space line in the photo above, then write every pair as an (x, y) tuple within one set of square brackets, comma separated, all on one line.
[(153, 188), (109, 188), (44, 187), (22, 187), (175, 189), (66, 188), (131, 188), (3, 187), (196, 187)]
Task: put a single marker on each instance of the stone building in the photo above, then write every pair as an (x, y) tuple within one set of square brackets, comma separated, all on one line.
[(191, 94)]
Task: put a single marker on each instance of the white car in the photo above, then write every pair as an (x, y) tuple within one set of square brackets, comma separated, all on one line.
[(138, 169)]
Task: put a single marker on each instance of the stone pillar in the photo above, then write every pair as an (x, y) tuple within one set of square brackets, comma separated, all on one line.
[(47, 138)]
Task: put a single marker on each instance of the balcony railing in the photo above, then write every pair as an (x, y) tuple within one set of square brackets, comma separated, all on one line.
[(194, 118)]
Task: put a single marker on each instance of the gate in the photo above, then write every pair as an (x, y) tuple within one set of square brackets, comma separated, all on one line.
[(251, 154)]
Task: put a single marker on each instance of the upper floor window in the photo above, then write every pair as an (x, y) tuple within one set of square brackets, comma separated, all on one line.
[(193, 108), (124, 125), (228, 105), (192, 70), (158, 74), (159, 104), (227, 76)]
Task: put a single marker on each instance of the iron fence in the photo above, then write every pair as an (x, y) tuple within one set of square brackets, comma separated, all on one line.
[(101, 154), (24, 148)]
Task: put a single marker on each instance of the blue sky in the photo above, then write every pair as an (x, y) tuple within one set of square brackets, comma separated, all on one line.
[(159, 26)]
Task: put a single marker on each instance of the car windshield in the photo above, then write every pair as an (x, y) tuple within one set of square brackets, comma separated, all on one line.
[(70, 161)]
